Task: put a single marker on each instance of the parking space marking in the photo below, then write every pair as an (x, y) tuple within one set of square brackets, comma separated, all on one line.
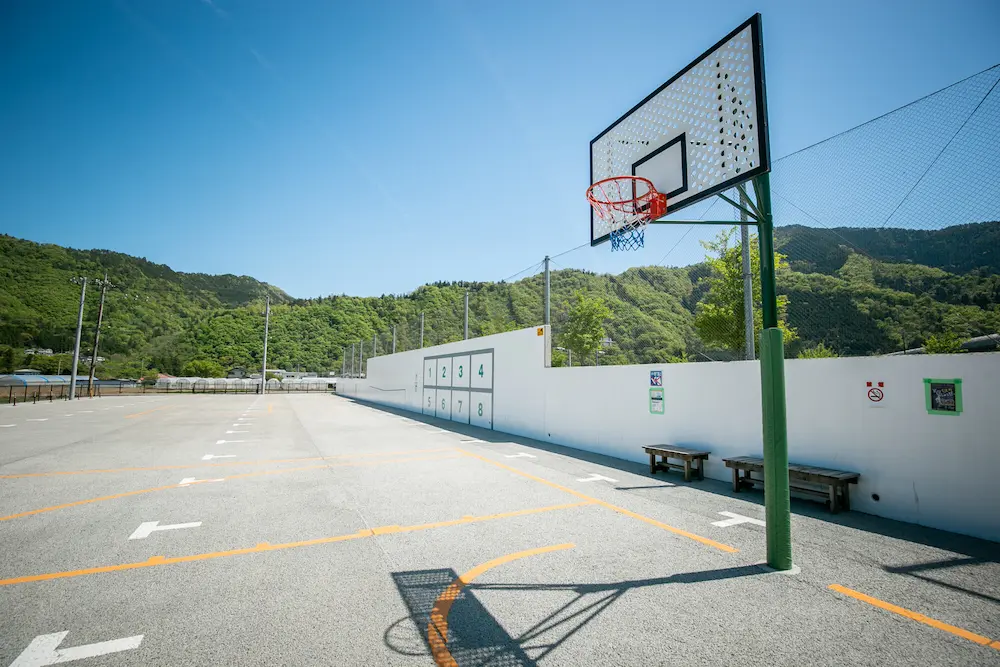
[(258, 473), (7, 425), (156, 561), (44, 419), (226, 442), (736, 519), (437, 627), (209, 457), (914, 616), (228, 463), (44, 650), (231, 432), (145, 412), (594, 477), (521, 455), (188, 481), (620, 510), (147, 528)]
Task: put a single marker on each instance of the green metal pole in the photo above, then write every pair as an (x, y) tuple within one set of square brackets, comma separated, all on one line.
[(777, 505)]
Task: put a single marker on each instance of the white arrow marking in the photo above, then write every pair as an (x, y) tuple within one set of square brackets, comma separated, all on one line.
[(147, 528), (209, 457), (44, 650), (735, 519), (522, 455), (229, 432), (224, 442), (595, 478), (37, 420), (188, 481)]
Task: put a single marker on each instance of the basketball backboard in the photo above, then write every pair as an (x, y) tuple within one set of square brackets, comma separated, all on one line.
[(700, 133)]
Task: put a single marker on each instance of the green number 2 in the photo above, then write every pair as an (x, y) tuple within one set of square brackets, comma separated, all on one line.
[(480, 370), (459, 371), (430, 372), (480, 409), (444, 371)]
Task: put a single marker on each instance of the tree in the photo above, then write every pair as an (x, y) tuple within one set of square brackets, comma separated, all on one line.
[(946, 343), (819, 351), (585, 325), (719, 317), (203, 368)]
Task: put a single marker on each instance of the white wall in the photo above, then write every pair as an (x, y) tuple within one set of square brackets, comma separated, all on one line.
[(929, 469)]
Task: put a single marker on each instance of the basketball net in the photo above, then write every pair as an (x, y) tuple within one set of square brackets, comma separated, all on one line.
[(626, 204)]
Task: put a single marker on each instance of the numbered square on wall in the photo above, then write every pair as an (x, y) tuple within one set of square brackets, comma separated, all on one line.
[(460, 403), (442, 404), (430, 366), (482, 371), (460, 371), (481, 408), (443, 372)]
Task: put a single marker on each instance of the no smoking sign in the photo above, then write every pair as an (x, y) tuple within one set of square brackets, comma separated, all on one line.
[(876, 394)]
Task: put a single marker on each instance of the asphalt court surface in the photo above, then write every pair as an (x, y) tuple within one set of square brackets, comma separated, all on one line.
[(315, 530)]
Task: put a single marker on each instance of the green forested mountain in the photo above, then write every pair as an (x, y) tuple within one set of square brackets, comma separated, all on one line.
[(901, 287)]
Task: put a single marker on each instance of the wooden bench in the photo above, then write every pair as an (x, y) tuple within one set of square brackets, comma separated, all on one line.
[(830, 485), (682, 453)]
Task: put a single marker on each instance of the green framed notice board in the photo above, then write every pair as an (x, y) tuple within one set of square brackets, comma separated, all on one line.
[(943, 397)]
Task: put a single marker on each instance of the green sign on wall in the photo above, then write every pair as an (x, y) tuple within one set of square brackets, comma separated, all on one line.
[(943, 397)]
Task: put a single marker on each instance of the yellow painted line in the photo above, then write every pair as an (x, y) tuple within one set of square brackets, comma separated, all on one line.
[(620, 510), (265, 546), (227, 463), (914, 616), (270, 408), (146, 412), (277, 471), (437, 628)]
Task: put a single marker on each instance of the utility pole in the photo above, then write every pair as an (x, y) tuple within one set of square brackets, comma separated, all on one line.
[(466, 314), (748, 334), (267, 324), (394, 339), (374, 345), (547, 291), (361, 359), (421, 331), (79, 330), (343, 362), (352, 359), (97, 335)]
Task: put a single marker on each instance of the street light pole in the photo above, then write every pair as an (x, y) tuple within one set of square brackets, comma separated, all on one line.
[(97, 336), (76, 345), (267, 324)]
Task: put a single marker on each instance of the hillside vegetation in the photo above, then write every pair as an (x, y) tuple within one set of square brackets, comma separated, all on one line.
[(903, 288)]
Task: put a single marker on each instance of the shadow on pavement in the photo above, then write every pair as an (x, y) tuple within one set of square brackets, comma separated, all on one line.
[(475, 637)]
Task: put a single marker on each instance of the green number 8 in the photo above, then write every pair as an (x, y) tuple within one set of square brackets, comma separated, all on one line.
[(480, 409)]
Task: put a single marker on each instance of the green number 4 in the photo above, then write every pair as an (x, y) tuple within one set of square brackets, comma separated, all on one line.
[(480, 370)]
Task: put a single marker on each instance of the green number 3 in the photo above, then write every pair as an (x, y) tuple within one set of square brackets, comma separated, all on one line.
[(480, 409), (459, 371)]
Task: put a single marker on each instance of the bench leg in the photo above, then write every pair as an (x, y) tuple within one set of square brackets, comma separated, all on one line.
[(736, 480), (652, 463), (701, 469), (833, 499), (845, 497), (687, 470)]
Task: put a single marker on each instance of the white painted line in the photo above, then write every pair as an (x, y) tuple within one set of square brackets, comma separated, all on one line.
[(242, 424), (85, 412), (229, 432), (105, 408), (224, 442), (70, 414), (7, 425), (522, 455), (596, 478), (736, 519), (471, 440), (44, 419), (188, 481), (147, 528), (119, 406), (209, 457), (44, 650)]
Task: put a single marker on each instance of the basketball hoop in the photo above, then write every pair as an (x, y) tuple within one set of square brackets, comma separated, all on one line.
[(626, 204)]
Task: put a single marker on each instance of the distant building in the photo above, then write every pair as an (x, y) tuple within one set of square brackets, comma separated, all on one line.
[(295, 375), (27, 371), (40, 351), (238, 372)]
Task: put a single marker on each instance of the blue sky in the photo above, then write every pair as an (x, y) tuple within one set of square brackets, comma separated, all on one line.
[(368, 148)]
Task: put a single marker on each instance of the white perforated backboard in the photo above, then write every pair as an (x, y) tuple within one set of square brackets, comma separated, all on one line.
[(702, 132)]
